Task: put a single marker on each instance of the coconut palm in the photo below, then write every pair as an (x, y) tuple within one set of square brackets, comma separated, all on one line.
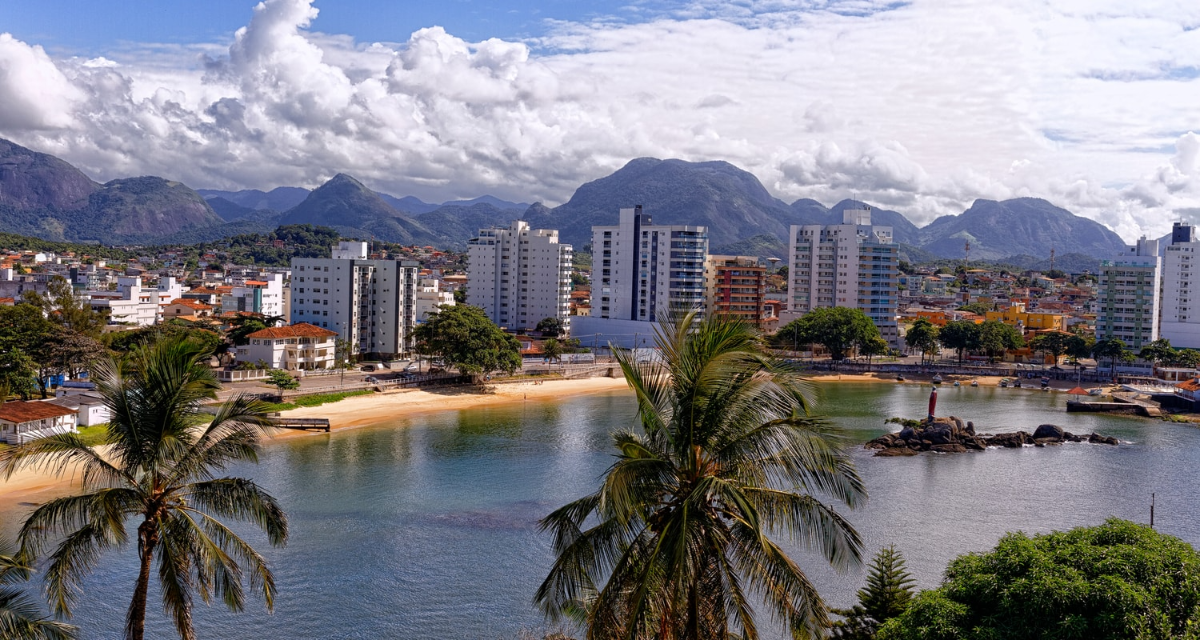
[(160, 471), (20, 616), (724, 454)]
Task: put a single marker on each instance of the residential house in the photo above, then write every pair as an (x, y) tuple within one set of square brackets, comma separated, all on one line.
[(294, 347), (21, 421)]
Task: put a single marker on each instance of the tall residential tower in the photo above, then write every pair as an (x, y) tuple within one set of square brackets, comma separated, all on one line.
[(1129, 296), (520, 276)]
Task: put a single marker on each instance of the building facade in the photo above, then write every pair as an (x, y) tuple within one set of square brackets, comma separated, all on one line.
[(261, 293), (641, 270), (134, 303), (1128, 296), (519, 276), (1180, 320), (430, 296), (21, 421), (297, 347), (371, 304), (737, 287), (854, 264)]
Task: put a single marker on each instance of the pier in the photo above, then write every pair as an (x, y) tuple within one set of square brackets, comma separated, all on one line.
[(314, 424)]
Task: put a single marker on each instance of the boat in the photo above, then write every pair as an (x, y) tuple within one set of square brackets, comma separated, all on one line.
[(1004, 382), (937, 379), (1017, 383), (1045, 383), (974, 383), (956, 383), (1096, 392), (899, 378)]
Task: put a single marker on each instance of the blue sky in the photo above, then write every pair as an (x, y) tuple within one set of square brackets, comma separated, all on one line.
[(920, 106)]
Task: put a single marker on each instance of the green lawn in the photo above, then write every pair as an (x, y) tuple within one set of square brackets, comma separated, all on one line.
[(95, 434), (315, 400)]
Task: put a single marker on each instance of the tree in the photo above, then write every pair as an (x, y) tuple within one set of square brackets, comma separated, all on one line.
[(1117, 580), (468, 341), (961, 336), (1159, 351), (553, 350), (243, 327), (923, 337), (1080, 345), (282, 380), (20, 615), (552, 327), (159, 474), (25, 333), (874, 346), (977, 308), (1188, 358), (73, 352), (886, 595), (18, 373), (125, 341), (837, 329), (460, 295), (1053, 343), (1113, 350), (64, 306), (995, 338), (724, 453)]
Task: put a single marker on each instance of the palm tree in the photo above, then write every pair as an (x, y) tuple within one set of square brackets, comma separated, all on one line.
[(160, 471), (725, 453), (21, 617)]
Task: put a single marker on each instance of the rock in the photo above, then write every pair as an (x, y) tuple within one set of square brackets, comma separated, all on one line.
[(893, 452), (1010, 440), (1067, 435), (949, 448), (1048, 431), (907, 433), (975, 444), (970, 428), (1041, 442), (1096, 438), (958, 423), (938, 433)]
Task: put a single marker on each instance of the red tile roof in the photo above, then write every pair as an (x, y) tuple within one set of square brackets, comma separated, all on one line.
[(1189, 385), (301, 330), (193, 304), (18, 411)]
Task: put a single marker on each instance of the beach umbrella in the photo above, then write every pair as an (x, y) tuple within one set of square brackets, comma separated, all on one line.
[(1078, 391)]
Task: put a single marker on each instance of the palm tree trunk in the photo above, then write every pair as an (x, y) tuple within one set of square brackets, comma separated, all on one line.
[(135, 619)]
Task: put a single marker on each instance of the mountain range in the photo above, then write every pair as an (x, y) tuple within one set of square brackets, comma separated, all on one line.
[(44, 196)]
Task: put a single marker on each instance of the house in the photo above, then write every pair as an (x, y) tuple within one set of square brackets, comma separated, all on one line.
[(186, 307), (294, 347), (88, 406), (21, 421)]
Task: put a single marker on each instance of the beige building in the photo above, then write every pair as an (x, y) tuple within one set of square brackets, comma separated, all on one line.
[(291, 348)]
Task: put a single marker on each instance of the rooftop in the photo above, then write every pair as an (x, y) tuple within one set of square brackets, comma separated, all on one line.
[(301, 330), (18, 411)]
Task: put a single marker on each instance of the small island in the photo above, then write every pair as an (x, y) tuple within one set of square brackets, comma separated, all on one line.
[(952, 435)]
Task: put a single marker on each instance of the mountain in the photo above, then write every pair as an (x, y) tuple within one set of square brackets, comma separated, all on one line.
[(764, 245), (503, 205), (1021, 226), (277, 199), (30, 181), (346, 205), (408, 204), (453, 225)]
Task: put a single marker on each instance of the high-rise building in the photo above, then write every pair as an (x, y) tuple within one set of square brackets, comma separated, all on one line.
[(640, 269), (1180, 320), (737, 287), (1129, 296), (261, 293), (854, 264), (370, 303), (520, 276)]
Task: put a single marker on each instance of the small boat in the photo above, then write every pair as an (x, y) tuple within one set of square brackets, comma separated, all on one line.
[(974, 383), (937, 379), (1045, 383), (956, 383), (1096, 392), (1004, 382), (1017, 383), (899, 378)]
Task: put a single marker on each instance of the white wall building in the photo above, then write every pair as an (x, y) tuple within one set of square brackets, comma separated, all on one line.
[(640, 269), (854, 264), (133, 303), (371, 304), (430, 296), (519, 276), (1180, 320), (1128, 295), (262, 293), (21, 421), (294, 347)]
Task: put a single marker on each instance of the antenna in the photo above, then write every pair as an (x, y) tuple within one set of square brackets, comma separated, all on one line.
[(967, 254), (1052, 257), (1152, 511)]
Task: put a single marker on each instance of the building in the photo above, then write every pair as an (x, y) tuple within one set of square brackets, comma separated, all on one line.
[(520, 276), (1128, 296), (291, 348), (430, 296), (262, 293), (133, 303), (21, 421), (371, 304), (1180, 320), (88, 406), (853, 264), (187, 308), (640, 270), (737, 287), (1017, 316)]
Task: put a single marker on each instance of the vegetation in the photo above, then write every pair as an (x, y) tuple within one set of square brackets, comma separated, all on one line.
[(159, 474), (553, 350), (838, 329), (725, 453), (888, 591), (1113, 350), (995, 338), (314, 400), (977, 308), (550, 327), (282, 380), (960, 336), (1117, 580), (1054, 344), (923, 337), (21, 617), (464, 338)]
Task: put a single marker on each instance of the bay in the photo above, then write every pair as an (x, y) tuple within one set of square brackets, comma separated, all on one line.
[(427, 527)]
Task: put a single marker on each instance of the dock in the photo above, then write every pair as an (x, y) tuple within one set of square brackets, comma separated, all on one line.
[(314, 424)]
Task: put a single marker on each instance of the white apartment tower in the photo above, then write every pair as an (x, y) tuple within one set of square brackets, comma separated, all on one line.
[(370, 303), (520, 276), (1129, 296), (1181, 289), (640, 269), (854, 264)]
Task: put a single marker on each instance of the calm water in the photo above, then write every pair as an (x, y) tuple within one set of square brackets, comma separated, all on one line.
[(430, 531)]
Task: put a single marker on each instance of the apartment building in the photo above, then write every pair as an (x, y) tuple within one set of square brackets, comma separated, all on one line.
[(737, 287), (1128, 295), (371, 304), (1180, 320), (853, 264), (430, 296), (519, 276), (296, 347), (258, 293), (134, 303), (640, 269)]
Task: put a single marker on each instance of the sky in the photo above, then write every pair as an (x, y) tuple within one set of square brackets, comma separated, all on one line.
[(919, 106)]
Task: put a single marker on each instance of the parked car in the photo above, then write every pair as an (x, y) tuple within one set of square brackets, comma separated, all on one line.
[(368, 367), (371, 379)]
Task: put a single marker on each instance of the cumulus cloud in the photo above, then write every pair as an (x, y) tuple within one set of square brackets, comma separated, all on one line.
[(921, 106)]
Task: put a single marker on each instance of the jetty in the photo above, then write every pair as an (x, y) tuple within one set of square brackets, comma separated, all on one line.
[(307, 424)]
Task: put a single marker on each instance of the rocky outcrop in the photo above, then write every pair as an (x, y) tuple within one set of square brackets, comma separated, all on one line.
[(952, 435)]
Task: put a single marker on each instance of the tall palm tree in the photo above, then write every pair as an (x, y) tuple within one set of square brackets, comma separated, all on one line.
[(20, 616), (161, 472), (676, 538)]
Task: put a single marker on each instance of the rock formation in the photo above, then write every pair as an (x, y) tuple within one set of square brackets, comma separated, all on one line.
[(952, 435)]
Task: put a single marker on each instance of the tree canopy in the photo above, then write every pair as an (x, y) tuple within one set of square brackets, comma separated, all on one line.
[(464, 338), (961, 336), (550, 327), (1119, 580), (995, 338), (886, 595), (922, 336), (838, 329)]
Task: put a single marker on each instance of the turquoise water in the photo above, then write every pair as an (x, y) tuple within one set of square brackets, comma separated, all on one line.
[(430, 531)]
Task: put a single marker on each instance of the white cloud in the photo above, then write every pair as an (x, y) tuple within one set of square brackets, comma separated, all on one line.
[(922, 106)]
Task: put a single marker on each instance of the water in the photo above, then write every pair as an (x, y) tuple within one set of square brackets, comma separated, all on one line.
[(430, 531)]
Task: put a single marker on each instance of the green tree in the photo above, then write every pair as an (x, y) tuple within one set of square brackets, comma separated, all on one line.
[(72, 352), (468, 341), (18, 373), (551, 327), (886, 595), (725, 454), (63, 305), (995, 338), (553, 350), (1053, 343), (1188, 358), (1159, 351), (1119, 580), (961, 336), (158, 474), (282, 380), (977, 308), (1113, 350), (922, 336), (21, 617), (460, 295), (1080, 345), (241, 328), (838, 329), (874, 346)]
